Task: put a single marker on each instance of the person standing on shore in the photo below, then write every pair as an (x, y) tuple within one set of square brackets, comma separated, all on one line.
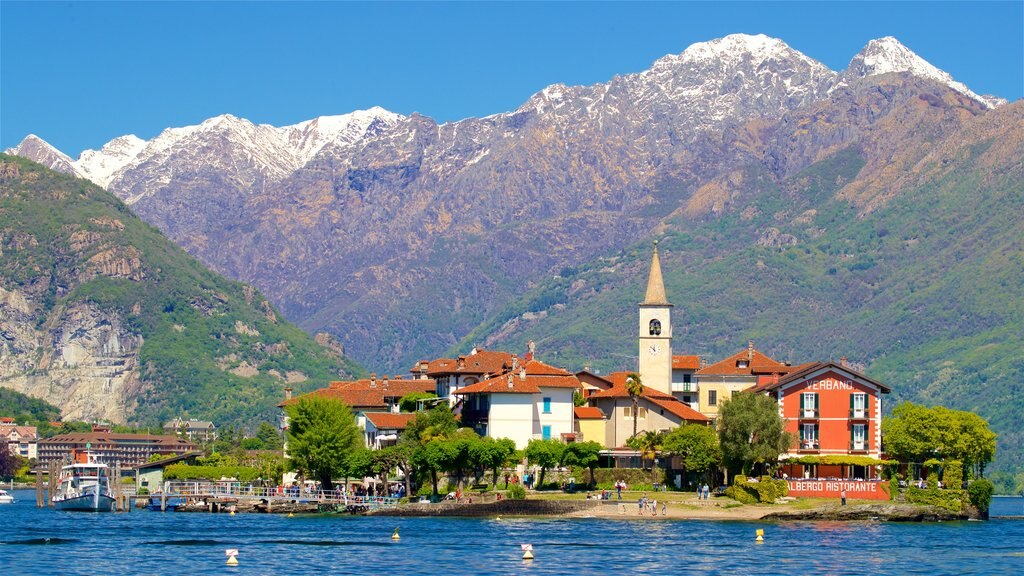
[(842, 496), (664, 508)]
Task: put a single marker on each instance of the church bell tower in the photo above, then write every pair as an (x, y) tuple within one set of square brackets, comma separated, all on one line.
[(655, 334)]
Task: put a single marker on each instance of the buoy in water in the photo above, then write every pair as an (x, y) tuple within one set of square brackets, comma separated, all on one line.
[(760, 535), (232, 561), (231, 553), (395, 536), (290, 515), (232, 513), (527, 551)]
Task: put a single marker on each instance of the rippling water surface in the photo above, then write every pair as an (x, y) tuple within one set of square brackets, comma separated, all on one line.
[(45, 541)]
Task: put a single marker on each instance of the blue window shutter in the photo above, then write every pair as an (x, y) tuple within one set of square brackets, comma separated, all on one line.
[(546, 432)]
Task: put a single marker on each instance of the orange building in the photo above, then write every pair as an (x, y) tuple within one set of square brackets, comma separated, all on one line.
[(832, 410)]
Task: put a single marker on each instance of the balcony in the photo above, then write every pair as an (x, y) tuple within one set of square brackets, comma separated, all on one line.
[(859, 446), (808, 414), (860, 414), (684, 387), (809, 446)]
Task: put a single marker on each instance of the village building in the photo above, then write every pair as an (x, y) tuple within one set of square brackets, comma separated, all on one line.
[(747, 368), (194, 430), (656, 411), (591, 424), (832, 410), (684, 379), (383, 429), (112, 448), (533, 400), (453, 374), (367, 395), (20, 440), (655, 332)]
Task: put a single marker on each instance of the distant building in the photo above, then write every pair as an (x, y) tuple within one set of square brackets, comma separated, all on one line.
[(719, 381), (369, 394), (21, 440), (192, 429), (111, 447)]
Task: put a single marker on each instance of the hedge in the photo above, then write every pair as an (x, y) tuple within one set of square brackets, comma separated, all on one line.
[(606, 477), (186, 472), (980, 492), (766, 491)]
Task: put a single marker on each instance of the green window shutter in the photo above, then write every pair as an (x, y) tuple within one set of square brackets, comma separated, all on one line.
[(816, 403), (851, 401), (802, 398)]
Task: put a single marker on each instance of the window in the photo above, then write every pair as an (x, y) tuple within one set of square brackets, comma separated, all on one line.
[(858, 405), (712, 397), (545, 432), (655, 327), (809, 405), (859, 437), (809, 437), (641, 413), (687, 378), (547, 405)]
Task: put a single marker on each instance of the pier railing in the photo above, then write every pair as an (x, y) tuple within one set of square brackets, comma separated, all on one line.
[(246, 491)]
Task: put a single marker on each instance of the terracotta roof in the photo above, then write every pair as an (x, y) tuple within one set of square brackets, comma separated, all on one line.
[(686, 362), (618, 389), (757, 363), (806, 369), (6, 420), (679, 409), (531, 384), (538, 368), (368, 393), (21, 432), (483, 362), (390, 420), (588, 413)]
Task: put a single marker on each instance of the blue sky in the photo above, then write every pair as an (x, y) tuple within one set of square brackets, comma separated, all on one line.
[(80, 73)]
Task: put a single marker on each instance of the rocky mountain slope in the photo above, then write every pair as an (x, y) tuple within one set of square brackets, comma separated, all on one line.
[(104, 317), (400, 235)]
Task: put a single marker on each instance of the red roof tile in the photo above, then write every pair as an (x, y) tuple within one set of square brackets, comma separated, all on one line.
[(368, 393), (531, 384), (686, 362), (618, 389), (756, 363), (483, 362), (679, 409), (588, 413), (389, 420), (804, 370)]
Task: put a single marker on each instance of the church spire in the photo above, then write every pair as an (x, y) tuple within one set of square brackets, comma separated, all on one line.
[(655, 285)]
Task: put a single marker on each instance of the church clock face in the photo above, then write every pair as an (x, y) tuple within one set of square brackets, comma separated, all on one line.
[(653, 349)]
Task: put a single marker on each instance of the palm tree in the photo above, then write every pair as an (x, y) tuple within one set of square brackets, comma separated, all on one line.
[(635, 389)]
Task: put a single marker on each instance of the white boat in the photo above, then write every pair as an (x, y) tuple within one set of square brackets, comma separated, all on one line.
[(84, 486), (6, 497)]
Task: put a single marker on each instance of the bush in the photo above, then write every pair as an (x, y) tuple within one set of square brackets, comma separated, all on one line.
[(635, 478), (765, 491), (142, 492), (186, 472), (953, 474), (980, 493), (516, 492), (740, 493), (952, 500), (894, 487)]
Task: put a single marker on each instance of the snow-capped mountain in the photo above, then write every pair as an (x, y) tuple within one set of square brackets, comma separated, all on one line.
[(341, 217), (887, 55)]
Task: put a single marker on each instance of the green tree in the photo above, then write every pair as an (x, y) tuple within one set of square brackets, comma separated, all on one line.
[(916, 433), (491, 453), (433, 457), (585, 454), (578, 399), (544, 453), (398, 457), (425, 456), (269, 437), (648, 444), (322, 435), (409, 402), (459, 453), (9, 463), (635, 389), (750, 431), (696, 445)]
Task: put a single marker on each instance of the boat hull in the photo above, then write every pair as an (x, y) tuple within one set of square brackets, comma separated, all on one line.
[(86, 503)]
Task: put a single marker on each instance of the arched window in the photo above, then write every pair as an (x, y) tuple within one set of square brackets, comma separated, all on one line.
[(655, 327)]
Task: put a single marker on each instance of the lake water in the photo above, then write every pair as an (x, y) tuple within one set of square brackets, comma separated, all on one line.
[(44, 541)]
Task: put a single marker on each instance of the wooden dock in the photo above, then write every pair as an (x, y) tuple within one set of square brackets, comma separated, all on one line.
[(233, 496)]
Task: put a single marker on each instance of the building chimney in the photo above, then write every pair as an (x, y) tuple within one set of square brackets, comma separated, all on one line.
[(386, 380), (750, 349), (287, 393), (461, 363), (531, 350), (522, 373), (515, 363), (373, 380), (842, 361), (510, 385), (473, 351)]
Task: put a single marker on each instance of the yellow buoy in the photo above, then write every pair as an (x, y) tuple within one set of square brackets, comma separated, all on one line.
[(232, 513), (527, 551), (231, 553), (290, 515), (232, 561), (395, 536), (760, 535)]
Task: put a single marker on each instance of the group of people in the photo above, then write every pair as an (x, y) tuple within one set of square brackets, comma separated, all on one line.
[(646, 504), (514, 478), (620, 485), (703, 492)]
